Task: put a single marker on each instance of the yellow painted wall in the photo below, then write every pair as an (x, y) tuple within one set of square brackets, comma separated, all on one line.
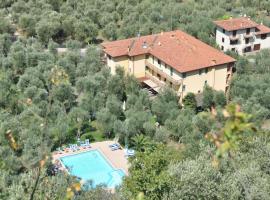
[(215, 77), (118, 61), (139, 66)]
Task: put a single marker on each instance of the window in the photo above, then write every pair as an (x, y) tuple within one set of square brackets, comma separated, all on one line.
[(109, 57), (234, 33), (222, 39), (247, 49), (223, 30), (147, 56), (233, 42), (153, 59), (184, 75), (200, 72), (206, 70), (159, 62), (248, 31), (247, 40), (171, 71), (263, 36), (199, 91), (205, 82), (166, 66), (184, 88), (222, 48), (165, 79), (171, 84), (233, 49), (159, 77), (229, 67)]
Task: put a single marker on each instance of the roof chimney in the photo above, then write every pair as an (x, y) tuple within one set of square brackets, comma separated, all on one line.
[(159, 43), (261, 23), (144, 45), (245, 15), (161, 33), (248, 17), (230, 17)]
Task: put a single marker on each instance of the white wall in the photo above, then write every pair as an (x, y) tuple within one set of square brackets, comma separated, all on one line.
[(241, 42), (264, 43)]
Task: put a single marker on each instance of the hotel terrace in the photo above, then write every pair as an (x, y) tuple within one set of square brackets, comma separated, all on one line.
[(173, 58)]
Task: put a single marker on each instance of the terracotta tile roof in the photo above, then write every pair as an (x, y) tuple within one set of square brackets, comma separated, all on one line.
[(236, 23), (262, 29), (176, 48)]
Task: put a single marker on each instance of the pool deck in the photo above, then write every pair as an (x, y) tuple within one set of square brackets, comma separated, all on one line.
[(116, 158)]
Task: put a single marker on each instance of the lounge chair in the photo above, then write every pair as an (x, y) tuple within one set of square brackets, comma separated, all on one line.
[(85, 144), (129, 152), (115, 147), (75, 147)]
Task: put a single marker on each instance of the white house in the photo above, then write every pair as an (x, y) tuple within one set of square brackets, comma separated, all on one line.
[(242, 35)]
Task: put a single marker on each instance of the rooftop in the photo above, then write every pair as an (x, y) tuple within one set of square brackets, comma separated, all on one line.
[(262, 29), (236, 23), (175, 48)]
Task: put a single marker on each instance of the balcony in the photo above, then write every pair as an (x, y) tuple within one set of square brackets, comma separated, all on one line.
[(234, 37), (250, 35), (163, 74), (154, 79)]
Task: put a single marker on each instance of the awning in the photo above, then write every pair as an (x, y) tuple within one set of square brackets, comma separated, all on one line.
[(152, 84)]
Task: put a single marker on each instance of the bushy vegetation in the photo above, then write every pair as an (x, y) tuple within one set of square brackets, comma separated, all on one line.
[(91, 20), (48, 100)]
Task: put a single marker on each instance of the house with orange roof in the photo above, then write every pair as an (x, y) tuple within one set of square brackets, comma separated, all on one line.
[(172, 58), (242, 35)]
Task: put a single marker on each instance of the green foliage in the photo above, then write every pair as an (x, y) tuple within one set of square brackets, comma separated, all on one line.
[(190, 102), (48, 99), (148, 173), (141, 143)]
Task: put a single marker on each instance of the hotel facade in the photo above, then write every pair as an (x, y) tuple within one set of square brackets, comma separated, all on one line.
[(171, 58)]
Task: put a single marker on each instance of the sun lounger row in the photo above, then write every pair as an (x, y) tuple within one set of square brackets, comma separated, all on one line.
[(75, 147)]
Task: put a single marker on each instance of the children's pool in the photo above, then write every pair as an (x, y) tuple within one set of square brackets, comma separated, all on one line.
[(92, 165)]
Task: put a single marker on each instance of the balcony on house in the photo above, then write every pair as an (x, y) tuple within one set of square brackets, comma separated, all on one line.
[(248, 35), (161, 75), (234, 37)]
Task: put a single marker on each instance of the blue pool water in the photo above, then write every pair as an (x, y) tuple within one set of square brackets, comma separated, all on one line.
[(93, 166)]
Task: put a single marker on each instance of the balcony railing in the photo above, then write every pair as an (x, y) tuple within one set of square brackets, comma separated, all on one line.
[(163, 74), (154, 79), (250, 35), (234, 37)]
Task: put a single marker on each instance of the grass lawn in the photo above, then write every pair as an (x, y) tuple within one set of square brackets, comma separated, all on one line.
[(94, 134)]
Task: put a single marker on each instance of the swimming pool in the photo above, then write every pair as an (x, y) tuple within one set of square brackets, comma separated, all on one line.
[(92, 165)]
